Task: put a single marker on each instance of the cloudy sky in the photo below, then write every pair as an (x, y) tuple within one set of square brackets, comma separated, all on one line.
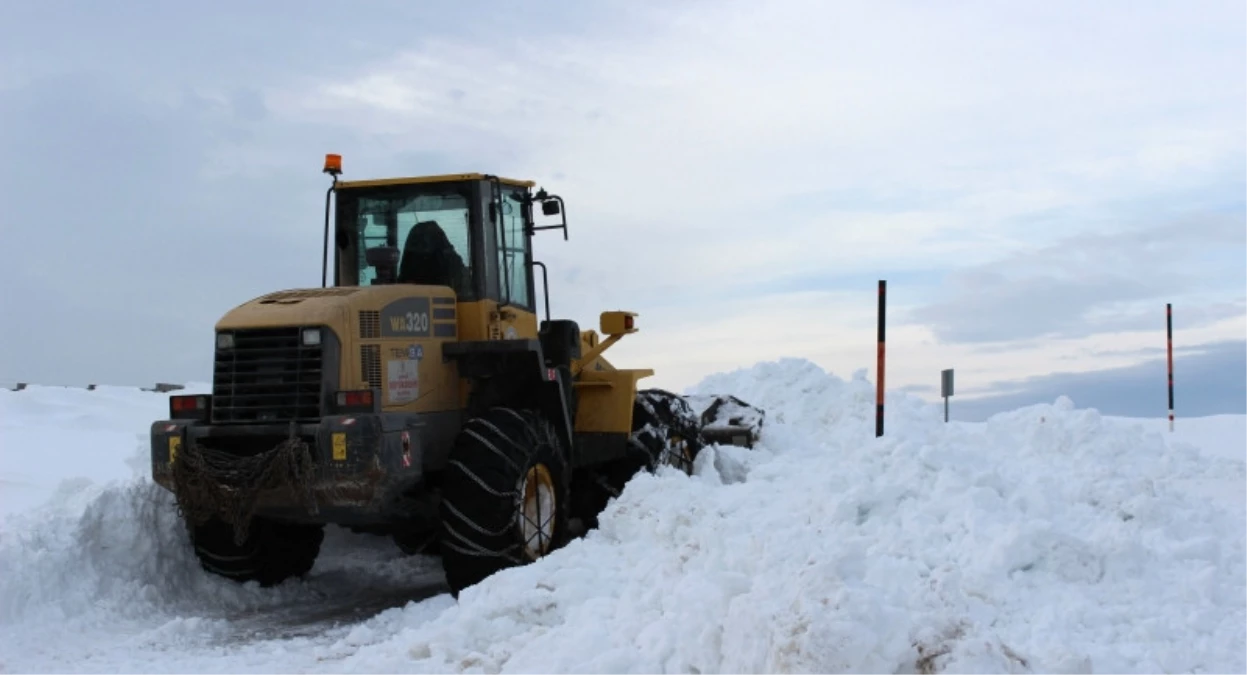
[(1035, 181)]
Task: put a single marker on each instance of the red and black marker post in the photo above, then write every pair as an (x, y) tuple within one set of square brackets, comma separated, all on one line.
[(1169, 335), (883, 302)]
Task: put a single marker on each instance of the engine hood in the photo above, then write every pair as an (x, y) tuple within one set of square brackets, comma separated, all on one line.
[(304, 306)]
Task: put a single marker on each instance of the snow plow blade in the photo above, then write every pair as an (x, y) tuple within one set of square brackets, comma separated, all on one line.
[(727, 420)]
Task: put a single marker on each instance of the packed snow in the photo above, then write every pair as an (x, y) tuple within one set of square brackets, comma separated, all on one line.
[(1048, 539)]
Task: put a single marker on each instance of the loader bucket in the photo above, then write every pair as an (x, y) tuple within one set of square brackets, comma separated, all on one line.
[(727, 420)]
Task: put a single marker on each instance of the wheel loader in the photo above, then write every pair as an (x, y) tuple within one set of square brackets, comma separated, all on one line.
[(416, 394)]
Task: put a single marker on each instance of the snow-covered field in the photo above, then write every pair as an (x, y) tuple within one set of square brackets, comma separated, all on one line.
[(1048, 539)]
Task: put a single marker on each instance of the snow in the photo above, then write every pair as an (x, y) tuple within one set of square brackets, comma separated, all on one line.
[(1048, 539)]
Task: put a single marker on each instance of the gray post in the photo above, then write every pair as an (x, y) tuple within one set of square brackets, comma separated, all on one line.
[(946, 389), (1169, 334)]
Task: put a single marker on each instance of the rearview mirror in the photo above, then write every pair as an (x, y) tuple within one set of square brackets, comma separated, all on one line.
[(385, 260), (550, 208)]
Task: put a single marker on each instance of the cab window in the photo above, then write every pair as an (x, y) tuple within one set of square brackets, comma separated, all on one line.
[(431, 231), (513, 255)]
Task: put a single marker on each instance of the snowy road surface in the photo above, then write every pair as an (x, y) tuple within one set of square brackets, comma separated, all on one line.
[(1049, 539)]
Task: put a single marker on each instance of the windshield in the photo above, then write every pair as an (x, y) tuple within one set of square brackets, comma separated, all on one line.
[(429, 229)]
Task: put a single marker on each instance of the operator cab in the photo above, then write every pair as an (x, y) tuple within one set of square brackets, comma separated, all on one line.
[(468, 232)]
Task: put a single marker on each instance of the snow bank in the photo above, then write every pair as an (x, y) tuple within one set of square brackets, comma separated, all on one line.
[(52, 434), (100, 548), (1047, 539), (97, 564), (1044, 540)]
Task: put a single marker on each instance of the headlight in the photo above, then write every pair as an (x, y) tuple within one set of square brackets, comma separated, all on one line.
[(224, 340), (311, 337)]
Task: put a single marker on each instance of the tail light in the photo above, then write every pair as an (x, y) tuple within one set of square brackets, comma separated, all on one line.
[(192, 407), (359, 400)]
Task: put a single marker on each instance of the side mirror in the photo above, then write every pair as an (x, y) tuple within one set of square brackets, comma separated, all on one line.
[(550, 208), (385, 260)]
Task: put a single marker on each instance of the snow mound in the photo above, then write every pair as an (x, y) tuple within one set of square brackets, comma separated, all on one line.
[(1048, 539), (1045, 540), (102, 551), (106, 550), (124, 557), (797, 393)]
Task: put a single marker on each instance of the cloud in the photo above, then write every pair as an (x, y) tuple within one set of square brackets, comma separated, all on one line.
[(1096, 283), (1210, 380), (740, 173), (132, 222), (842, 139)]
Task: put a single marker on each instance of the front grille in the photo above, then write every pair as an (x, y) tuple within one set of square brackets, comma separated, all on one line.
[(267, 376)]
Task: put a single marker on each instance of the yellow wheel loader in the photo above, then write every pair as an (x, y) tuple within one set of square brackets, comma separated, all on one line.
[(416, 394)]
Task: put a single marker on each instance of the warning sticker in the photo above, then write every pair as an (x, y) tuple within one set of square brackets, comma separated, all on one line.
[(404, 380)]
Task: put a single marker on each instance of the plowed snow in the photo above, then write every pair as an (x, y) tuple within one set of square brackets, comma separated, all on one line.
[(1048, 539)]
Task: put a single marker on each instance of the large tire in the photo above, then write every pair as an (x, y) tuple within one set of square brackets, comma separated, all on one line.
[(271, 553), (504, 470)]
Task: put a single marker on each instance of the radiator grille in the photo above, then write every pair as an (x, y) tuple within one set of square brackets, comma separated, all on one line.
[(369, 324), (370, 365), (268, 375)]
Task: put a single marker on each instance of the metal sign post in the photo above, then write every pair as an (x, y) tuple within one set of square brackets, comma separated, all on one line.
[(946, 389), (1169, 339)]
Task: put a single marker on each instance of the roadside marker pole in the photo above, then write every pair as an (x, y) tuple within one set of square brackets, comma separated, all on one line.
[(883, 301), (1169, 332)]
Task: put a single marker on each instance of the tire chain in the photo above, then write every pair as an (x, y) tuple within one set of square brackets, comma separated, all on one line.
[(211, 482), (465, 545)]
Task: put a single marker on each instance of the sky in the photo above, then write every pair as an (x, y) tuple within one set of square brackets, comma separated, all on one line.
[(1034, 182)]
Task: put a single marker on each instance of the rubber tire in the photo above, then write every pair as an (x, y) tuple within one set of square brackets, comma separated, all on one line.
[(478, 517), (272, 552)]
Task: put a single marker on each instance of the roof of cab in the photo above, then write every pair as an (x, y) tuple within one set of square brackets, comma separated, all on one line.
[(410, 180)]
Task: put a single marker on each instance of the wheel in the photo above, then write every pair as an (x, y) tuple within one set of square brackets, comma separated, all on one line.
[(504, 496), (271, 553), (666, 430)]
